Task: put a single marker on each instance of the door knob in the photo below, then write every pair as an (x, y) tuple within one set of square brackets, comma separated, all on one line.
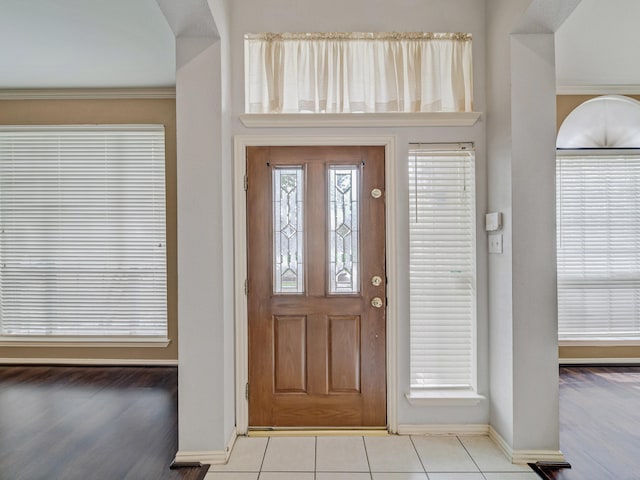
[(376, 302)]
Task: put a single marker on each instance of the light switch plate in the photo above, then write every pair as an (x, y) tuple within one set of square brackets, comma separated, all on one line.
[(495, 243)]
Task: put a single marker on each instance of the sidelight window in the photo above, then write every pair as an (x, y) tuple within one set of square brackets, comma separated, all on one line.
[(442, 261)]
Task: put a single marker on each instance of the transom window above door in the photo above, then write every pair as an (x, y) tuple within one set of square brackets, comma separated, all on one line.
[(358, 72)]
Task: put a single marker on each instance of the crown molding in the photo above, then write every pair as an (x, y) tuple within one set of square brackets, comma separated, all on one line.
[(87, 93), (598, 89)]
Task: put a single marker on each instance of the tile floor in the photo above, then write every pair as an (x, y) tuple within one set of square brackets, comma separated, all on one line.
[(369, 458)]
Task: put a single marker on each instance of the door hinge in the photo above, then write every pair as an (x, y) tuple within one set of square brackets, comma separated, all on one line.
[(246, 391), (246, 182), (246, 287)]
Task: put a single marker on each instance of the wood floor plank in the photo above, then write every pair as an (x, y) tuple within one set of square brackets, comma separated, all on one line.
[(600, 423), (106, 423)]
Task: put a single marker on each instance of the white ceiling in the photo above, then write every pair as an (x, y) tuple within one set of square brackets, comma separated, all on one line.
[(128, 44), (85, 44), (598, 44)]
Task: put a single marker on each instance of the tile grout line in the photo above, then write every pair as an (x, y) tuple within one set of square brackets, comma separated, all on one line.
[(419, 457), (264, 455), (366, 454), (471, 457)]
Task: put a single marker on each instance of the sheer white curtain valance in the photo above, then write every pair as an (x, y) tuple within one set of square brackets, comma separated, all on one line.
[(355, 73)]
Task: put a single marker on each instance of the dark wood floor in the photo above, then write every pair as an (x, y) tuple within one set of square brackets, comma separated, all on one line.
[(600, 423), (102, 423), (115, 423)]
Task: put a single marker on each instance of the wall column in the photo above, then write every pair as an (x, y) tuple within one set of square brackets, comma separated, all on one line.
[(201, 349), (535, 313), (522, 280)]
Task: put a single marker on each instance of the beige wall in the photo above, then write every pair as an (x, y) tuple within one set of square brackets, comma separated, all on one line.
[(565, 105), (147, 111)]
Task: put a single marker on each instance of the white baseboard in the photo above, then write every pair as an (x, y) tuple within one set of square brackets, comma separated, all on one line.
[(452, 429), (598, 361), (524, 456), (208, 457), (88, 362)]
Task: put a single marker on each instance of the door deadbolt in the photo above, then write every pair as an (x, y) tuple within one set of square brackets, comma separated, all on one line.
[(376, 281), (376, 302), (376, 193)]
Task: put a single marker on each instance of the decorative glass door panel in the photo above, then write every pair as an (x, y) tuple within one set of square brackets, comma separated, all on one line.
[(315, 287), (288, 230), (344, 229)]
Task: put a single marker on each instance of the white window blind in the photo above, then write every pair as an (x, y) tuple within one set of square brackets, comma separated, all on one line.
[(598, 225), (442, 267), (82, 231), (358, 72)]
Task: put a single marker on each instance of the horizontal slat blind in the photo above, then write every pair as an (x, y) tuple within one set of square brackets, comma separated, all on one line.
[(82, 231), (598, 217), (442, 268)]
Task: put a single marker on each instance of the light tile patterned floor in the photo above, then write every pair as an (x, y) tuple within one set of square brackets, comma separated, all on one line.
[(369, 458)]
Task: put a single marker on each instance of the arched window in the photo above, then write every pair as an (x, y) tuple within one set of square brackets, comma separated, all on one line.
[(598, 221)]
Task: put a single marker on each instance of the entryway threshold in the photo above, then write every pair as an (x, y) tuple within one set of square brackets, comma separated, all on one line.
[(317, 432)]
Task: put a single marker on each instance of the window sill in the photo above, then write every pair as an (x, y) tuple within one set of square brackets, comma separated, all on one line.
[(79, 342), (387, 119), (445, 398), (609, 342)]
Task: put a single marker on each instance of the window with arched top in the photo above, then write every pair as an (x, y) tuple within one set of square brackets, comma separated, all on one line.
[(598, 221)]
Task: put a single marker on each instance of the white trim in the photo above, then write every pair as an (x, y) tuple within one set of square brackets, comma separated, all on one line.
[(598, 90), (119, 362), (386, 119), (601, 361), (524, 456), (470, 429), (240, 207), (209, 457), (88, 93), (230, 444), (600, 343), (391, 201), (446, 398), (87, 342)]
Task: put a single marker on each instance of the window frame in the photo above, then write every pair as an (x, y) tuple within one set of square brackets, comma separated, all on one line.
[(159, 340), (572, 338)]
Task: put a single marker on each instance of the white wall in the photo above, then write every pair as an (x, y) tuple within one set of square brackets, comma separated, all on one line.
[(535, 312), (254, 16), (501, 16)]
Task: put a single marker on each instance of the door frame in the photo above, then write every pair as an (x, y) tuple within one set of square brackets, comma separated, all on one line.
[(241, 142)]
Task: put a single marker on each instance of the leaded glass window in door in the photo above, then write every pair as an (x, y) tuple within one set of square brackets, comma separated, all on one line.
[(288, 230), (343, 229)]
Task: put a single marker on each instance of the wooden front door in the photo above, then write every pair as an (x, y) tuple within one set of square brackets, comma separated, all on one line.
[(316, 286)]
